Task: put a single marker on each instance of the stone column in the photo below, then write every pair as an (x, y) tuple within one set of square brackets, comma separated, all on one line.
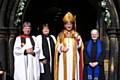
[(12, 34), (7, 36), (118, 53), (113, 51), (3, 47), (106, 56)]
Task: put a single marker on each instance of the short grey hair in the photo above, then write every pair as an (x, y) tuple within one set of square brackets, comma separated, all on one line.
[(94, 31), (26, 24)]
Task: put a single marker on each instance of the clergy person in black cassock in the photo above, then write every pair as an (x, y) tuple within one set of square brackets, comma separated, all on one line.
[(48, 45), (93, 58)]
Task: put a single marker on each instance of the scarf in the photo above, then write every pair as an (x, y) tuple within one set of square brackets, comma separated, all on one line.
[(23, 40), (45, 48), (98, 52)]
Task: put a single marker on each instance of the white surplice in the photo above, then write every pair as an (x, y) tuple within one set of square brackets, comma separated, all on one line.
[(39, 40), (26, 67), (69, 57)]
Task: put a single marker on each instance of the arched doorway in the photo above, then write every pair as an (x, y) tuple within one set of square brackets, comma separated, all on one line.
[(86, 11), (53, 12)]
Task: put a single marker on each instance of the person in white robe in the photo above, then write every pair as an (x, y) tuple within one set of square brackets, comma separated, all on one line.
[(26, 56), (47, 42), (68, 60)]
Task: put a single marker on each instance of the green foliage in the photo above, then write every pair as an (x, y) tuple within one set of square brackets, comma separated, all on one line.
[(19, 12), (106, 14)]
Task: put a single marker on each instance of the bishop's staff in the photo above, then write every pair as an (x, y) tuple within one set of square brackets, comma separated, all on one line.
[(80, 76), (75, 36), (75, 23)]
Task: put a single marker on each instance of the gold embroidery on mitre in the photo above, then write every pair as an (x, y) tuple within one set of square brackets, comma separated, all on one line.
[(68, 18)]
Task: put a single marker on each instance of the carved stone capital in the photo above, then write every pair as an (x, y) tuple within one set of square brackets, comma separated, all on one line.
[(7, 31), (112, 31)]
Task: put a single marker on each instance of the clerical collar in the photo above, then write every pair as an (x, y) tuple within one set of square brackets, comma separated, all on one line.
[(25, 36), (45, 35)]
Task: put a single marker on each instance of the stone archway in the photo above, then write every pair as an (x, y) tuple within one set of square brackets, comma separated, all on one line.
[(106, 33), (8, 29), (53, 13)]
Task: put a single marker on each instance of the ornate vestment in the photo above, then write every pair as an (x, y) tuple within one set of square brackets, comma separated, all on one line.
[(68, 65)]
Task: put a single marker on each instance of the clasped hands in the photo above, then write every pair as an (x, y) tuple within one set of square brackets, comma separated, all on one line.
[(44, 61), (93, 64), (29, 50)]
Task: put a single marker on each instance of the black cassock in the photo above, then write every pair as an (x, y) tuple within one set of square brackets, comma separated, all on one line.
[(88, 59), (48, 75)]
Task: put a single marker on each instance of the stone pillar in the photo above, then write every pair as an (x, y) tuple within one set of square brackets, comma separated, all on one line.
[(7, 36), (118, 53), (106, 56), (3, 47), (12, 34), (113, 51)]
